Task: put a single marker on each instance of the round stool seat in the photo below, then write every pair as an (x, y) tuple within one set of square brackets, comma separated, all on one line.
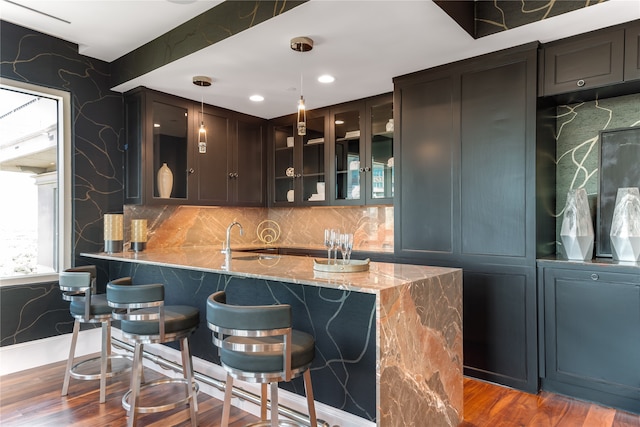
[(178, 318), (99, 306), (302, 353)]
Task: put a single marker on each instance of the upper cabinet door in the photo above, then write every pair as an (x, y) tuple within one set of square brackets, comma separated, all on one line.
[(632, 52), (362, 152), (348, 166), (169, 149), (584, 62), (380, 128), (284, 137), (248, 175), (299, 161), (211, 164), (313, 163)]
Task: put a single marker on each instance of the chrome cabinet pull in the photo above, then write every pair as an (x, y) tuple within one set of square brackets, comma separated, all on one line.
[(594, 276), (580, 83)]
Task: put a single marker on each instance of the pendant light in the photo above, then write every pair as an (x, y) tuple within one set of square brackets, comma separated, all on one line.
[(203, 81), (301, 44)]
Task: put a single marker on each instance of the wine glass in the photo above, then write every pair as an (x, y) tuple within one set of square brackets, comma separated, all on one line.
[(331, 242), (346, 246), (335, 239), (328, 243)]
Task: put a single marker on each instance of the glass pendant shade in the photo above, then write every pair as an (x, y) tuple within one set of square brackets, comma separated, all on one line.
[(577, 228), (625, 225), (302, 117), (202, 138)]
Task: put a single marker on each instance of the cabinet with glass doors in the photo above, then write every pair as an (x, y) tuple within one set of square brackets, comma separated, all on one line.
[(299, 161), (362, 152)]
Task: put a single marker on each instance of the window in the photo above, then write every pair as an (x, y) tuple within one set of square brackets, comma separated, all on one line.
[(35, 214)]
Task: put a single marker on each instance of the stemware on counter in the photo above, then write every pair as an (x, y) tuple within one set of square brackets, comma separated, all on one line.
[(334, 240)]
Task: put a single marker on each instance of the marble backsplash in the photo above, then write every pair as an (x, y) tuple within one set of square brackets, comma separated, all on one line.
[(173, 226)]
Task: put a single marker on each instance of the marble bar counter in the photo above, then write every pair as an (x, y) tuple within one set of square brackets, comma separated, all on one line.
[(388, 340)]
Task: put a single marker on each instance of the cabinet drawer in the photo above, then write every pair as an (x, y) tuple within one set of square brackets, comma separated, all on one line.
[(595, 275), (584, 62)]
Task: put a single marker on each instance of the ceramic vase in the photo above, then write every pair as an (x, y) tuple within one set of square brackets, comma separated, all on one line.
[(625, 225), (577, 229), (165, 181)]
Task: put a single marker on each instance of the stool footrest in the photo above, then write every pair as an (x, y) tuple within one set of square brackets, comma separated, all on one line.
[(163, 407), (116, 365), (281, 423)]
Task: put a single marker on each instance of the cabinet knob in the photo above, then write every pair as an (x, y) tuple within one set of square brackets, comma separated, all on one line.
[(594, 276), (367, 169), (299, 175), (361, 169), (580, 83), (235, 174), (230, 174), (191, 171)]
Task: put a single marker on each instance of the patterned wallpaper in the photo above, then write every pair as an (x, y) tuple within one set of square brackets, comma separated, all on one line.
[(500, 15), (32, 312), (577, 145)]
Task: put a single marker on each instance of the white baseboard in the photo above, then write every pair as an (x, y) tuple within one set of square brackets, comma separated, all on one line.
[(18, 357), (32, 354)]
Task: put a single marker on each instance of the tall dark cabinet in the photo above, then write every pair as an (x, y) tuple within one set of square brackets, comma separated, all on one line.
[(468, 189)]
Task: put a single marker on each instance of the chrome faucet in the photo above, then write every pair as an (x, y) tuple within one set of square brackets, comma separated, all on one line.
[(227, 243)]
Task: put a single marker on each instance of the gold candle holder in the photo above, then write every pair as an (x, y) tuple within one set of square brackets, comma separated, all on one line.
[(113, 232), (138, 235)]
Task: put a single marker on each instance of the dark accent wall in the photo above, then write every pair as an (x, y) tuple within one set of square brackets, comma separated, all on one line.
[(97, 173), (481, 18), (578, 129)]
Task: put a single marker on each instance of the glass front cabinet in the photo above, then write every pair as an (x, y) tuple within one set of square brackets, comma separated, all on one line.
[(299, 161), (345, 158), (362, 152), (164, 164)]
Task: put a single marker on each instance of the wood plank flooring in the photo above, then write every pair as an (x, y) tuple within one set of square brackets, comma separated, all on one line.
[(32, 398)]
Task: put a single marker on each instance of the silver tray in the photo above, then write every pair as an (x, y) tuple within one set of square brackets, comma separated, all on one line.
[(354, 266)]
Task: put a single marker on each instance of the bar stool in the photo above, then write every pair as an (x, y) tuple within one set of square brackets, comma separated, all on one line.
[(78, 285), (144, 320), (257, 344)]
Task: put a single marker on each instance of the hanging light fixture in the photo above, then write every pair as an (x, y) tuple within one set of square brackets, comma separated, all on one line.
[(301, 44), (203, 81)]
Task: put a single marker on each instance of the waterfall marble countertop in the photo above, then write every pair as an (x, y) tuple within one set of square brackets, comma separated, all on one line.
[(284, 268), (416, 363)]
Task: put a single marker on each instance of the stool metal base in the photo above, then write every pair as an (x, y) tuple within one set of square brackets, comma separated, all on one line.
[(163, 407), (283, 423), (90, 369)]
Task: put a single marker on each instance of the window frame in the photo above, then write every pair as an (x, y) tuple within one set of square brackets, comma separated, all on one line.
[(64, 167)]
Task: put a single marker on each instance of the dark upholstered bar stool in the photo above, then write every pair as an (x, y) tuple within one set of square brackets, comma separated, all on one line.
[(145, 320), (257, 344), (78, 285)]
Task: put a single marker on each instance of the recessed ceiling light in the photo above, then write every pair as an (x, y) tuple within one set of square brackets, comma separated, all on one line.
[(339, 122), (156, 125), (256, 98), (326, 78)]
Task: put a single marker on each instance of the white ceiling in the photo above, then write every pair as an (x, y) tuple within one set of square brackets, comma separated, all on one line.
[(364, 44)]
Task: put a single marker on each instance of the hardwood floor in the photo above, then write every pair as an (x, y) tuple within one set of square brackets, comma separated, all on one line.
[(32, 398)]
